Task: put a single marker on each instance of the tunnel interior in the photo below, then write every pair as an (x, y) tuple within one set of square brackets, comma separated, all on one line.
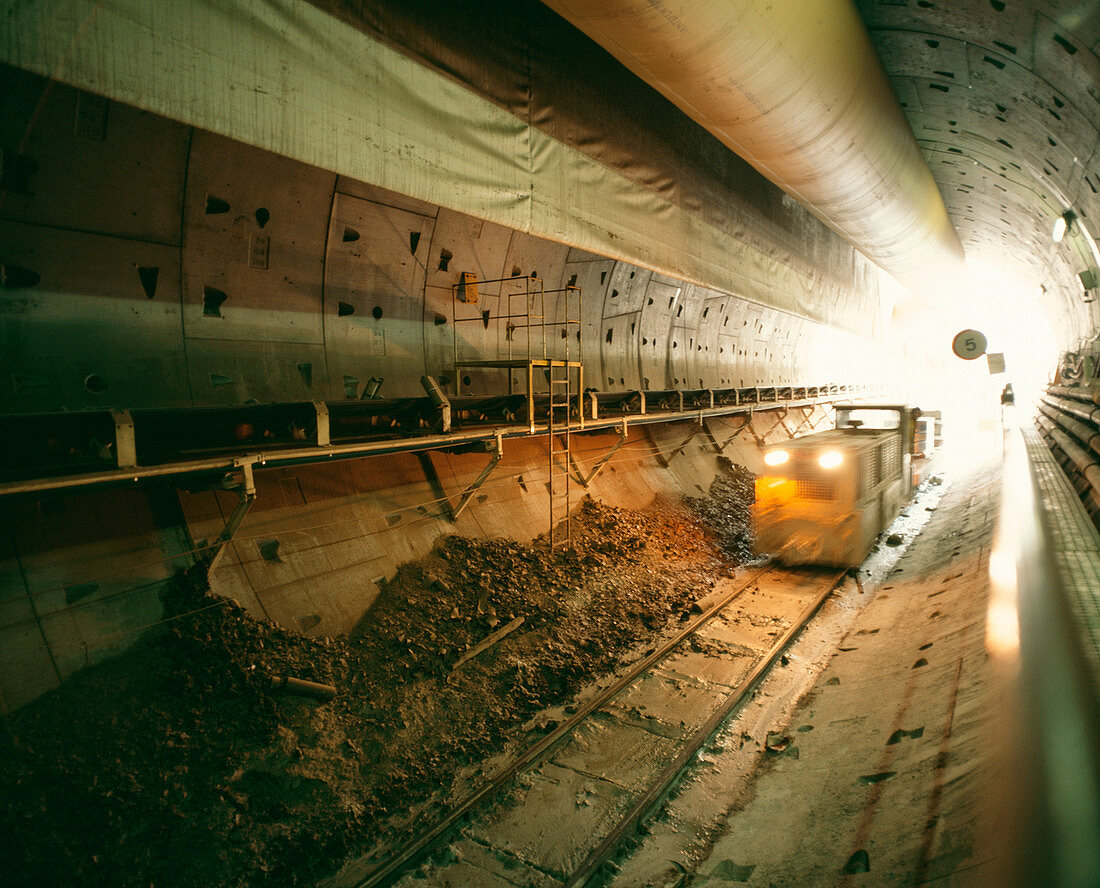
[(356, 344)]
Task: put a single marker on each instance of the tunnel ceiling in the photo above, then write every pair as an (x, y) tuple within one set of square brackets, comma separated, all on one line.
[(1004, 99)]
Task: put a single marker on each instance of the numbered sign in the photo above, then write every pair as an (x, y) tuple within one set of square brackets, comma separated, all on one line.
[(968, 344)]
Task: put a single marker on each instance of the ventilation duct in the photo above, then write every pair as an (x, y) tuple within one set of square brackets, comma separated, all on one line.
[(797, 90)]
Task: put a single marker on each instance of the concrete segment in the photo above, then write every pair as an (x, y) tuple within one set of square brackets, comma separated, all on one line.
[(668, 707), (723, 671), (474, 864)]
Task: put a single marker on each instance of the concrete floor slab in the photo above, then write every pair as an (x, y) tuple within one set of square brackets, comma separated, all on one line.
[(753, 633), (673, 707), (469, 864), (531, 826), (724, 670), (623, 754)]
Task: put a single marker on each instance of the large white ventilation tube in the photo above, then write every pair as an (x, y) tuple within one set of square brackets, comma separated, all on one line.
[(795, 88)]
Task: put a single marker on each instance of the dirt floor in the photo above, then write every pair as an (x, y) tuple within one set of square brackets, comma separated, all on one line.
[(180, 765)]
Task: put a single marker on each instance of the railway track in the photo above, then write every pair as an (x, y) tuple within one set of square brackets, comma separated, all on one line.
[(745, 625)]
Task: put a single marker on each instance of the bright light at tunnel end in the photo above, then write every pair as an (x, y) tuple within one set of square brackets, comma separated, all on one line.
[(1014, 313)]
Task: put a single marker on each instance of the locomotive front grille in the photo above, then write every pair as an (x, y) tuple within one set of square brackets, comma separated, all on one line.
[(891, 457), (816, 489), (810, 484), (869, 472)]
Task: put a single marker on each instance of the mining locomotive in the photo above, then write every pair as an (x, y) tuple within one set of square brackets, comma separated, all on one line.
[(825, 497)]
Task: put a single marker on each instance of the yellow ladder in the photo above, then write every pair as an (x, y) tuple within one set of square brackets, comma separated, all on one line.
[(560, 428)]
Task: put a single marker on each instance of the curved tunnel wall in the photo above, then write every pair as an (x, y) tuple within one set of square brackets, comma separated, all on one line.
[(152, 264), (149, 262), (83, 574), (797, 90), (509, 116)]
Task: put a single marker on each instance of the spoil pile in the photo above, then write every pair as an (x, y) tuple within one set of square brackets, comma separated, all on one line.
[(727, 509), (179, 765)]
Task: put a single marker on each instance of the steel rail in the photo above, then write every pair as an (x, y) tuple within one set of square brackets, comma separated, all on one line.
[(411, 851), (665, 781)]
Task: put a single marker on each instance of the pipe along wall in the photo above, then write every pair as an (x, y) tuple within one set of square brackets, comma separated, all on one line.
[(1070, 422)]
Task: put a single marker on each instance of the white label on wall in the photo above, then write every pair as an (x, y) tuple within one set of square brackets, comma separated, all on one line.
[(377, 340)]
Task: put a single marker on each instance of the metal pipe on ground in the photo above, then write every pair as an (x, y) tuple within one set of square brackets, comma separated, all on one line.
[(1075, 392), (1083, 461), (1087, 436), (1076, 408), (302, 688)]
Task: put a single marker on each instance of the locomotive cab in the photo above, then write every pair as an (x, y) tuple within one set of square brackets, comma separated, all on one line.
[(825, 497)]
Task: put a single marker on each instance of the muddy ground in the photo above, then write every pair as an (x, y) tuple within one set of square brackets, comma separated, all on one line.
[(179, 765)]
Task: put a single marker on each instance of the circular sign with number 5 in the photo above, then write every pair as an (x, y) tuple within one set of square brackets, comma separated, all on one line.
[(968, 344)]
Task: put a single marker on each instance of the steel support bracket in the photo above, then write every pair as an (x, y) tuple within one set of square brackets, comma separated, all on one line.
[(806, 412), (779, 422), (585, 480), (746, 423), (782, 421), (759, 439), (666, 461), (441, 402), (469, 492), (212, 553), (323, 438)]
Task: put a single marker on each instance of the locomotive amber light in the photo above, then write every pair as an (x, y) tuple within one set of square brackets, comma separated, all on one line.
[(776, 457), (830, 459)]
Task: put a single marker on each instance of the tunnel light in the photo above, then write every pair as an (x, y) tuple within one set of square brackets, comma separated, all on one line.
[(776, 457), (1062, 225), (830, 459)]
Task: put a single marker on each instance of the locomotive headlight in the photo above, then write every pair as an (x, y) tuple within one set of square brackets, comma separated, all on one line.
[(830, 459), (776, 457)]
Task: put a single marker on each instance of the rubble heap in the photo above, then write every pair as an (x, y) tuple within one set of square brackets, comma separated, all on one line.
[(181, 764), (727, 510)]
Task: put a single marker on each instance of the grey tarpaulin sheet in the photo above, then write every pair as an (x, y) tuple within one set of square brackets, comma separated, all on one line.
[(531, 127)]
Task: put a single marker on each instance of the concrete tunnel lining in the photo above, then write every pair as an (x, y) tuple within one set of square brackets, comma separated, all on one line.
[(275, 320), (424, 136)]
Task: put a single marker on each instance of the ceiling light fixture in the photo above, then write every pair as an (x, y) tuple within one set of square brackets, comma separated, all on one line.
[(1062, 225)]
